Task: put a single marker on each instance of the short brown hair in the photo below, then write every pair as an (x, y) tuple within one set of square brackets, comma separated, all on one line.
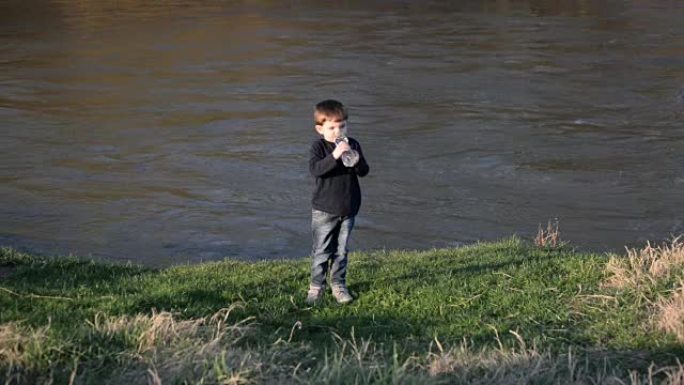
[(329, 109)]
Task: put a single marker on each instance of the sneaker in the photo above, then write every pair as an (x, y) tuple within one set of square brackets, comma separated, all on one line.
[(341, 294), (315, 293)]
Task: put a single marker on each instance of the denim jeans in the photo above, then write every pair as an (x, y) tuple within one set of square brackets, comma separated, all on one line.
[(330, 237)]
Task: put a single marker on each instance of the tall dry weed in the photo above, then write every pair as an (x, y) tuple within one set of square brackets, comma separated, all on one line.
[(645, 266), (549, 237)]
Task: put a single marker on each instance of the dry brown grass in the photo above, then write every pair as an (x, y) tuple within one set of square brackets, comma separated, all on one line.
[(527, 365), (669, 314), (646, 270), (163, 329), (17, 344), (169, 348), (645, 266), (11, 345), (549, 238), (162, 349)]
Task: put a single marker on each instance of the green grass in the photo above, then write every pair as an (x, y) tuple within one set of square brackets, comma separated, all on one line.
[(503, 297)]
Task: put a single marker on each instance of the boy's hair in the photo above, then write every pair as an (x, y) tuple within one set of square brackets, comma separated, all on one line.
[(329, 109)]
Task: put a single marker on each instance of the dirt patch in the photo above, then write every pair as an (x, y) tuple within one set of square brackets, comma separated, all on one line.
[(6, 271)]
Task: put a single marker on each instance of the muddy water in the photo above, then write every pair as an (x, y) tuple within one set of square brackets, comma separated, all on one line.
[(179, 131)]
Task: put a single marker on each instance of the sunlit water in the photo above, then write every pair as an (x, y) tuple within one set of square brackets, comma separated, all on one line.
[(179, 131)]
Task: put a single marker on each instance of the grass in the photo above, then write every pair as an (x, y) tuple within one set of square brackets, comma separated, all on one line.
[(493, 313)]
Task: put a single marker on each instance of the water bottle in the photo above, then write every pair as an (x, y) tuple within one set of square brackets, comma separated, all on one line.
[(350, 157)]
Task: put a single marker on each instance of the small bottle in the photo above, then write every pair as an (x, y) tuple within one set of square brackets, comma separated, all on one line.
[(350, 157)]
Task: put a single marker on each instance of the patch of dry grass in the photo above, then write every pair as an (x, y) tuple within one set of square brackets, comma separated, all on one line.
[(528, 365), (645, 266), (646, 271), (22, 349), (168, 349), (17, 344), (23, 346), (158, 348), (361, 362), (669, 313), (159, 329)]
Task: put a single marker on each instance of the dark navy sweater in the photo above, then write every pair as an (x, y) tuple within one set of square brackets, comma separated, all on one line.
[(336, 189)]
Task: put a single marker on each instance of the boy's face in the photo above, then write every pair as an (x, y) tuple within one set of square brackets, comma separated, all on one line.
[(332, 128)]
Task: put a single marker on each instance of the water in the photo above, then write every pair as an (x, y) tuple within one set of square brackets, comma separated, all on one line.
[(178, 131)]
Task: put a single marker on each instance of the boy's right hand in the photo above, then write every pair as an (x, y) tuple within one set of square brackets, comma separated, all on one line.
[(340, 149)]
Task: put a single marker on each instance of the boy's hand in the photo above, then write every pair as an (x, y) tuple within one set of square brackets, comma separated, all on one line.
[(341, 148)]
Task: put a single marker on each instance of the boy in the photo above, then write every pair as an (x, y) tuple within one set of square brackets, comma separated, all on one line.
[(336, 200)]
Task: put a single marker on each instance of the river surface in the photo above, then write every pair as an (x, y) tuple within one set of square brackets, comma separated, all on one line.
[(178, 131)]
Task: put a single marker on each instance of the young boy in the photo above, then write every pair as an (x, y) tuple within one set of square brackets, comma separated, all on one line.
[(336, 200)]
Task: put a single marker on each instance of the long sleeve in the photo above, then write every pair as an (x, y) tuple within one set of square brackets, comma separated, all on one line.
[(320, 162)]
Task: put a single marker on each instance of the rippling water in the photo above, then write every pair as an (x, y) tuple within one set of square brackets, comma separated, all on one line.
[(179, 131)]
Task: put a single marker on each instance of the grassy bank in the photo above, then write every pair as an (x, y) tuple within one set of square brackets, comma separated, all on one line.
[(504, 312)]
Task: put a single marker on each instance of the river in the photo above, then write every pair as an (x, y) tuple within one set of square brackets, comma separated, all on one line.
[(178, 131)]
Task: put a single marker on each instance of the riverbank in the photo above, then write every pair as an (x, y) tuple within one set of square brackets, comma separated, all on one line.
[(492, 313)]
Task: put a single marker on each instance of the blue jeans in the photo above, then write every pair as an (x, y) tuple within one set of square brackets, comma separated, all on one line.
[(330, 237)]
